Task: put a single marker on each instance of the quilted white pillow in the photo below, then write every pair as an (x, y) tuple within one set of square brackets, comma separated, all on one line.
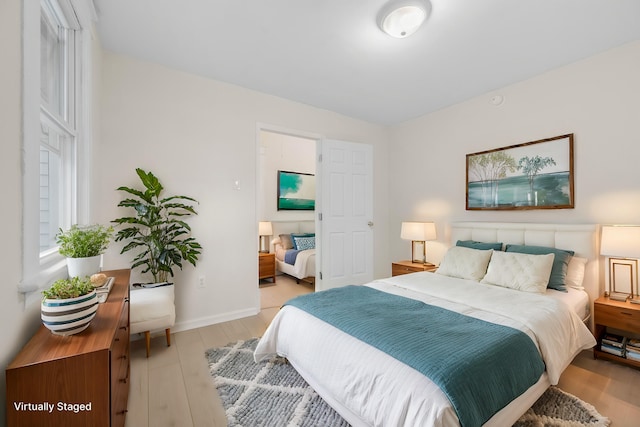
[(465, 263), (523, 272)]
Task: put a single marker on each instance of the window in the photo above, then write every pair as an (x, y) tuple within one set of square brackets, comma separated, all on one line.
[(57, 122), (56, 128)]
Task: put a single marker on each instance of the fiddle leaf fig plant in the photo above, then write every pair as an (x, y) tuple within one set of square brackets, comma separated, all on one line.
[(157, 231)]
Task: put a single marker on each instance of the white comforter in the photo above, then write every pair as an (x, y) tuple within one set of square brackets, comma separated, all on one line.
[(368, 387)]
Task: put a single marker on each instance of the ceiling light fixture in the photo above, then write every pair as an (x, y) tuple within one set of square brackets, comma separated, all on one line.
[(401, 18)]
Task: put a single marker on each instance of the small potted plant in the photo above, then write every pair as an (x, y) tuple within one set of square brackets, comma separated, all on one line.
[(69, 305), (157, 233), (83, 245)]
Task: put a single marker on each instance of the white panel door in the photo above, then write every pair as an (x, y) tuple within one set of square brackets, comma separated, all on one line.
[(346, 206)]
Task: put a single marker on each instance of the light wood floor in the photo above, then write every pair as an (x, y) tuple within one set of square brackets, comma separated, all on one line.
[(173, 386)]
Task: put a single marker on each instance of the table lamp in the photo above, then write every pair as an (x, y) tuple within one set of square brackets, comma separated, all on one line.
[(418, 233), (264, 231), (621, 243)]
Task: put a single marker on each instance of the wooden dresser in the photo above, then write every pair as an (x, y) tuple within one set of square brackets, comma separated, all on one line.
[(82, 379)]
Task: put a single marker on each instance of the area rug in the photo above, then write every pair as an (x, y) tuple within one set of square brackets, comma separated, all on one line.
[(272, 394)]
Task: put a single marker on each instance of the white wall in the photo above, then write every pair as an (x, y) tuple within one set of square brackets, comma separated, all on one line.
[(597, 99), (278, 151), (199, 137)]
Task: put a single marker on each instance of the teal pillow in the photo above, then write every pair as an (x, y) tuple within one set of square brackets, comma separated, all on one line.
[(302, 243), (472, 244), (560, 262)]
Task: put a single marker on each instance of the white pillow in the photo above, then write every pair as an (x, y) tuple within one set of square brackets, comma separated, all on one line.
[(465, 263), (575, 273), (523, 272)]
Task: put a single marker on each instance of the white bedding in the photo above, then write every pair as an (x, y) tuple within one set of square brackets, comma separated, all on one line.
[(305, 265), (576, 299), (357, 379)]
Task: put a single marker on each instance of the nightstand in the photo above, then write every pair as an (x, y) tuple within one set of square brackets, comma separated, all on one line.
[(267, 266), (619, 315), (406, 267)]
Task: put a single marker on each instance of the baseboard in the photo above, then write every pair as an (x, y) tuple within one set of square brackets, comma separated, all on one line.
[(204, 321)]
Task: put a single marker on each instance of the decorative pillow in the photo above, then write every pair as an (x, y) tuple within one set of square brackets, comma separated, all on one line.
[(285, 240), (523, 272), (465, 263), (560, 263), (303, 243), (483, 246), (575, 273)]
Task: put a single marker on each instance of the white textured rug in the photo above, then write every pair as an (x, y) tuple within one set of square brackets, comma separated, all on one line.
[(272, 394)]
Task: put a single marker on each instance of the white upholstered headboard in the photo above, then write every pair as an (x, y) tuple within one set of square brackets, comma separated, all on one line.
[(580, 238)]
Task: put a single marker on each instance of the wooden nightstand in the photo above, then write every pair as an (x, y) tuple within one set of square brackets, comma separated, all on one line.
[(406, 267), (267, 266), (623, 316)]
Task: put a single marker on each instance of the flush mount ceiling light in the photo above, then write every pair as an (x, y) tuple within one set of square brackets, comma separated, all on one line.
[(401, 18)]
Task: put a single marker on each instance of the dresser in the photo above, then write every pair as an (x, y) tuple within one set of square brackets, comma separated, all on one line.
[(78, 380), (406, 267)]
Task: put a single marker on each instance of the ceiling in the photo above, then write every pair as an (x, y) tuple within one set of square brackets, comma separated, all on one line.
[(331, 54)]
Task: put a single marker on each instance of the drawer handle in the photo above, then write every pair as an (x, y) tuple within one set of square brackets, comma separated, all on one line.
[(626, 313), (124, 328), (124, 356), (123, 380), (117, 339), (124, 411)]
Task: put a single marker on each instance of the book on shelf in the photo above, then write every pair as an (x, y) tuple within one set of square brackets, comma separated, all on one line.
[(633, 356), (633, 351), (612, 350), (633, 343), (614, 340)]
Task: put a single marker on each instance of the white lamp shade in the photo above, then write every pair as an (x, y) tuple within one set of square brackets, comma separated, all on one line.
[(265, 228), (401, 18), (621, 241), (419, 231)]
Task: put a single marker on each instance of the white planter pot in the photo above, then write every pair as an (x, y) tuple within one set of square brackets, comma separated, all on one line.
[(69, 316), (81, 267)]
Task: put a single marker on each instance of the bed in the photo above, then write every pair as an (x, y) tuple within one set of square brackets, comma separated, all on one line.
[(298, 263), (386, 391)]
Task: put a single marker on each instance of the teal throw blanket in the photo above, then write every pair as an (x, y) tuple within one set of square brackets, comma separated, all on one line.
[(480, 366)]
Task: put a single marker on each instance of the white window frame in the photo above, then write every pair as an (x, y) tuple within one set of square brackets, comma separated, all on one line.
[(40, 269)]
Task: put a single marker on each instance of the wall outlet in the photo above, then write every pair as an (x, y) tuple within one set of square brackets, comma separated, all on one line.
[(201, 282)]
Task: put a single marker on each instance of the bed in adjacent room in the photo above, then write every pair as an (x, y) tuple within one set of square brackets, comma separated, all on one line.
[(474, 344), (294, 248)]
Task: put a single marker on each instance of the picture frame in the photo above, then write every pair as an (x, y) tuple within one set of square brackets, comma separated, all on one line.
[(296, 191), (623, 278), (532, 175)]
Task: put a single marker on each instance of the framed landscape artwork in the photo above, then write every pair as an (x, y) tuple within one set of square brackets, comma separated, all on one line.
[(296, 191), (533, 175)]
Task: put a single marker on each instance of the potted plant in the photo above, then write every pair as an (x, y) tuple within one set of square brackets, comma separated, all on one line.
[(157, 231), (69, 305), (83, 245)]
